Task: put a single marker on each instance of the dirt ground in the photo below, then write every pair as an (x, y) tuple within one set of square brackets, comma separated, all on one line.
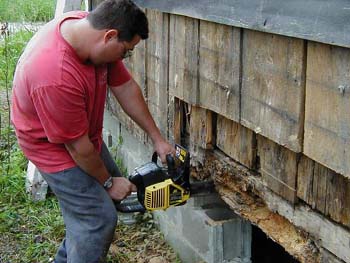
[(141, 242)]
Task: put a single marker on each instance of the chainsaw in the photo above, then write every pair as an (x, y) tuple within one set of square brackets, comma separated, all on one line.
[(159, 188)]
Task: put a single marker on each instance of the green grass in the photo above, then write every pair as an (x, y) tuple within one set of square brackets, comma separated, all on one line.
[(30, 231), (33, 11)]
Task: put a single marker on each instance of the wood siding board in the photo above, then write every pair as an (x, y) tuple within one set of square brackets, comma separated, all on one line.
[(201, 128), (177, 125), (321, 21), (305, 179), (273, 87), (278, 167), (236, 141), (157, 68), (324, 190), (327, 105), (137, 65), (219, 69), (183, 58)]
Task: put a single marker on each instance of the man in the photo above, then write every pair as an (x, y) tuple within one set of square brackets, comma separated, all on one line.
[(58, 98)]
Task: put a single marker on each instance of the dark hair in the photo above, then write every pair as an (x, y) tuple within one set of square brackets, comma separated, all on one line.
[(123, 15)]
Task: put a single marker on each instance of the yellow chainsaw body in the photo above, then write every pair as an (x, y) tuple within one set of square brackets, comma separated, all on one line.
[(163, 195)]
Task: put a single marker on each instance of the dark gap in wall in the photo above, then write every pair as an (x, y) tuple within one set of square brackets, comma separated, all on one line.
[(265, 250), (185, 125)]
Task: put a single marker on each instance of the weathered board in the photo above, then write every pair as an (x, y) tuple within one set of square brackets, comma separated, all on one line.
[(219, 69), (183, 58), (236, 141), (201, 128), (137, 65), (324, 190), (157, 66), (327, 107), (175, 120), (273, 87), (321, 21), (278, 166)]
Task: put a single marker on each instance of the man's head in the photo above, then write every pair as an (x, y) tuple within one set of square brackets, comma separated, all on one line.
[(124, 25)]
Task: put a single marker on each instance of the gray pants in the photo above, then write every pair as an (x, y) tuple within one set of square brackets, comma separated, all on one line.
[(88, 213)]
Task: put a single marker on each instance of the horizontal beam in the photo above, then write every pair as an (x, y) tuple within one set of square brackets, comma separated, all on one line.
[(302, 232), (317, 20)]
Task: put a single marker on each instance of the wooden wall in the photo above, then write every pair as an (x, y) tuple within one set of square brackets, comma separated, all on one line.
[(279, 106)]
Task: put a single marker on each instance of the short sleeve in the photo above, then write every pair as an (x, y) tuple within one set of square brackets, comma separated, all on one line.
[(62, 112), (117, 74)]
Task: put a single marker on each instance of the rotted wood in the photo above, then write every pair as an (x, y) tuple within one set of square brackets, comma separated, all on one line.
[(219, 68), (278, 166), (301, 231), (183, 58), (327, 105), (157, 67), (324, 190), (273, 87), (236, 141)]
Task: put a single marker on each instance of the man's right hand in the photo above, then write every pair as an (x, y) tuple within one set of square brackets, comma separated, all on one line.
[(121, 188)]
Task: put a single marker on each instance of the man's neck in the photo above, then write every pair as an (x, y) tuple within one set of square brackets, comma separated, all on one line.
[(77, 33)]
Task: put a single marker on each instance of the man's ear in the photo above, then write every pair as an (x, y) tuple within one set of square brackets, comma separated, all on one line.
[(110, 34)]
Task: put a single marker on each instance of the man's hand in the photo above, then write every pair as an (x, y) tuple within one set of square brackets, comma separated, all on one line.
[(121, 188), (163, 148)]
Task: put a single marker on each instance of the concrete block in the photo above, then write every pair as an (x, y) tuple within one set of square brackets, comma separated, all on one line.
[(36, 186), (131, 151), (211, 232)]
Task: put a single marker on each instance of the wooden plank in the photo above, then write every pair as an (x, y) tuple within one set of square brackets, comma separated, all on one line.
[(183, 58), (321, 21), (137, 65), (201, 128), (278, 167), (327, 117), (176, 126), (157, 68), (219, 69), (324, 190), (299, 229), (273, 87), (236, 141)]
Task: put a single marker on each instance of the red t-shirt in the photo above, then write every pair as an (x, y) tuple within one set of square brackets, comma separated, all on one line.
[(57, 98)]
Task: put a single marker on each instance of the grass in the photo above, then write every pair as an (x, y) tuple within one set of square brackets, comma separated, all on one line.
[(29, 11), (31, 231)]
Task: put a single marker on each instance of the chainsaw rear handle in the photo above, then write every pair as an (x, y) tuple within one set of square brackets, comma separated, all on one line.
[(170, 161)]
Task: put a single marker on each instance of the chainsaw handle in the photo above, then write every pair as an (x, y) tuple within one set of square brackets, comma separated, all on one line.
[(169, 159)]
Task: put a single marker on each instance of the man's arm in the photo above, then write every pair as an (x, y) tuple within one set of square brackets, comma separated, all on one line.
[(130, 98), (88, 159)]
